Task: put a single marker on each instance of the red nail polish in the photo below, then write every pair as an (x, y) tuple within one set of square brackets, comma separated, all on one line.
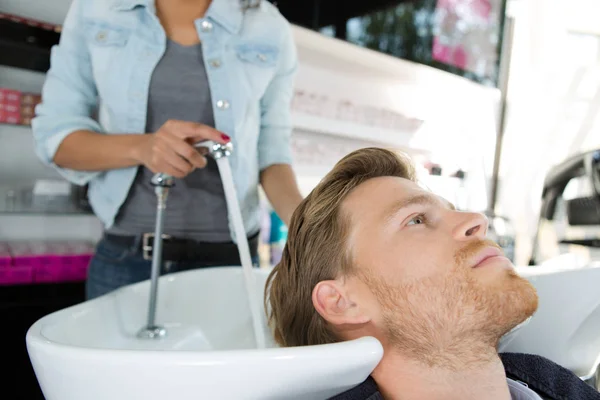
[(225, 137)]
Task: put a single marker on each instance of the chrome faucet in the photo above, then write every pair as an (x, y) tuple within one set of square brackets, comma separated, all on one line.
[(162, 183), (216, 150)]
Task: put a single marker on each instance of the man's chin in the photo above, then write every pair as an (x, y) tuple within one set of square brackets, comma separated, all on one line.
[(530, 296), (518, 301)]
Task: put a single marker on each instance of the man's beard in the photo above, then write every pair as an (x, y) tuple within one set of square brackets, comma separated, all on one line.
[(452, 320)]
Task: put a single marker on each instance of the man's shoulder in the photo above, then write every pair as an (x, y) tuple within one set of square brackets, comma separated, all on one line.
[(266, 24), (365, 391), (545, 377), (268, 13)]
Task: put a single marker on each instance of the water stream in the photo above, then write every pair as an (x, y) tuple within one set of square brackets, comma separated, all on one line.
[(243, 249)]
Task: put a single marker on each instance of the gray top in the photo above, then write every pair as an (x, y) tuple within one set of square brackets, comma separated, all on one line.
[(196, 206)]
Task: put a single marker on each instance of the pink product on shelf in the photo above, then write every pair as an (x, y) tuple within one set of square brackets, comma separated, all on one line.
[(48, 268), (16, 275), (53, 261), (76, 271), (10, 108), (5, 261), (5, 257), (80, 255), (21, 254), (11, 274), (27, 255), (10, 97), (58, 264), (17, 107), (7, 117)]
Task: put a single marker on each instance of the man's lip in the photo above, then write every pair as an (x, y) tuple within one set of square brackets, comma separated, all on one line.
[(486, 253)]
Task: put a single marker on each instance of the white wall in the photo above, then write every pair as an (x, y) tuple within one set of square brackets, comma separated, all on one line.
[(554, 104), (459, 116)]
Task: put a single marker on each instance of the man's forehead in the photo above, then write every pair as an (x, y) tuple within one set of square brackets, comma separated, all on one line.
[(380, 190), (382, 195)]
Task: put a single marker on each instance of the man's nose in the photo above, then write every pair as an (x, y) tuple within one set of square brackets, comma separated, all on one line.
[(470, 225)]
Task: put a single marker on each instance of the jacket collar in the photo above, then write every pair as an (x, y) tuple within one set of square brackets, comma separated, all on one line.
[(227, 13), (126, 5)]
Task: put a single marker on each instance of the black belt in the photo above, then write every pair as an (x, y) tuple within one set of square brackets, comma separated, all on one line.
[(181, 250)]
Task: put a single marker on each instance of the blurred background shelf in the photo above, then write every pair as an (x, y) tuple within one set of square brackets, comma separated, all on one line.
[(25, 202), (9, 125), (25, 46)]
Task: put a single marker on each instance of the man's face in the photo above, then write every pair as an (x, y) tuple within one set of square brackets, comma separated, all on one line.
[(425, 274)]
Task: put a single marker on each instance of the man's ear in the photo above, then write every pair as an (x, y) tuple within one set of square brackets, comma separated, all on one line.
[(333, 302)]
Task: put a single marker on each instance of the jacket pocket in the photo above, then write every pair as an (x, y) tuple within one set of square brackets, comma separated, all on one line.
[(104, 34), (258, 63), (260, 55), (109, 55)]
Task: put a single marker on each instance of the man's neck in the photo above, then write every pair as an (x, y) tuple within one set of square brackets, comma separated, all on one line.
[(402, 378)]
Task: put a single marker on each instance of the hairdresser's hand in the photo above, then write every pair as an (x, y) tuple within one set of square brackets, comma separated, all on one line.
[(170, 150)]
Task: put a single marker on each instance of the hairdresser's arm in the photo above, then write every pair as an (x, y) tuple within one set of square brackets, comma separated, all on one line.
[(70, 140), (279, 183), (92, 151), (69, 95), (274, 148), (169, 150)]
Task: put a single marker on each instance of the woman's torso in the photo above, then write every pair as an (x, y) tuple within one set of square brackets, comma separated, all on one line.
[(197, 208), (240, 54)]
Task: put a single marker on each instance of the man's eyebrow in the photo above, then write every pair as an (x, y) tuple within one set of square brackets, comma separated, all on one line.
[(419, 199)]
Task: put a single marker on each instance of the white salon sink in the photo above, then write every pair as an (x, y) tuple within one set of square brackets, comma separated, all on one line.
[(90, 351), (566, 327)]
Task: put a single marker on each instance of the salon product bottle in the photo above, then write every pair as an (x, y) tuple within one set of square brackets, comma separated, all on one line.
[(278, 238), (264, 242)]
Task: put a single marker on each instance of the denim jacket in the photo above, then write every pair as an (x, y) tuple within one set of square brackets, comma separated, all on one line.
[(100, 75)]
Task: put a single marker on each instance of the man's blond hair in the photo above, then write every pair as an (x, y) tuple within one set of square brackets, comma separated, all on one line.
[(316, 247)]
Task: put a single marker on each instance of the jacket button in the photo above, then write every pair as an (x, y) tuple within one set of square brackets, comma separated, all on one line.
[(101, 36), (261, 57), (207, 26), (223, 104), (215, 63)]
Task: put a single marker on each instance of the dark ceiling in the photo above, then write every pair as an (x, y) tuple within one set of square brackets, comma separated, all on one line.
[(316, 14)]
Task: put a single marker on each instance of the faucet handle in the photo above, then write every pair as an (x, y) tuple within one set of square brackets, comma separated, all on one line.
[(216, 150), (162, 180)]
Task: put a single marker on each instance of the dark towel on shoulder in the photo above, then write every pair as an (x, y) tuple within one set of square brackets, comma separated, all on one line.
[(365, 391), (546, 378)]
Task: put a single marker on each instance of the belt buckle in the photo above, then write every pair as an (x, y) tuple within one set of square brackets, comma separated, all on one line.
[(146, 247)]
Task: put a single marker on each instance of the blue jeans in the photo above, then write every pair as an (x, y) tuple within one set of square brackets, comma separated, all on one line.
[(114, 266)]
